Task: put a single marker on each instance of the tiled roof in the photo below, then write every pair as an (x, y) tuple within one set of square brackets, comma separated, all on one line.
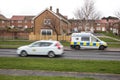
[(18, 18), (2, 17), (61, 17), (101, 21), (29, 17)]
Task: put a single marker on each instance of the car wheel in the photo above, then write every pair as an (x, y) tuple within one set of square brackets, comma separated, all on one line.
[(23, 54), (51, 54), (77, 47), (101, 47)]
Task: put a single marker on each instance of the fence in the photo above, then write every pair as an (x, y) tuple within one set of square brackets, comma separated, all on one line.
[(46, 37), (5, 35)]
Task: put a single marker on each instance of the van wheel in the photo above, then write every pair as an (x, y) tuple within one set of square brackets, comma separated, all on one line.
[(51, 54), (77, 47), (101, 47), (23, 54)]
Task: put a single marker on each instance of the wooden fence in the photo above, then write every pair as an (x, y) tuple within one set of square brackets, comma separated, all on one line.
[(46, 37)]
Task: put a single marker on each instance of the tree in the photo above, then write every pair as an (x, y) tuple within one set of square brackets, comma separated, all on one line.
[(86, 13), (53, 25), (117, 14)]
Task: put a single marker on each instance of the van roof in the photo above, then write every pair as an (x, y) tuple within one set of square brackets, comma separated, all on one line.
[(81, 34)]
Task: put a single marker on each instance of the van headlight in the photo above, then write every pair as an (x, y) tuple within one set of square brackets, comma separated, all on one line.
[(105, 44)]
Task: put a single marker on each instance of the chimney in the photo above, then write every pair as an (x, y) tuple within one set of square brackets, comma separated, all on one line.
[(57, 10), (51, 8)]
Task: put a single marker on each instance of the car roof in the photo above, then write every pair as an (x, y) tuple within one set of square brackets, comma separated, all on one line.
[(46, 41)]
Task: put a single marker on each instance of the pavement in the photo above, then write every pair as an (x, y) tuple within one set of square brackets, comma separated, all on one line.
[(98, 76), (107, 49)]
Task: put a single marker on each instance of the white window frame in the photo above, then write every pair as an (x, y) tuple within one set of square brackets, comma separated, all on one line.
[(12, 21), (32, 21), (26, 21), (98, 28), (47, 21), (19, 21), (3, 21), (46, 30), (19, 25)]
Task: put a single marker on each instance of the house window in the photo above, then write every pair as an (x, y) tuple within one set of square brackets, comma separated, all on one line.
[(19, 25), (3, 21), (98, 24), (32, 22), (19, 21), (98, 28), (46, 32), (47, 21), (25, 21), (12, 21)]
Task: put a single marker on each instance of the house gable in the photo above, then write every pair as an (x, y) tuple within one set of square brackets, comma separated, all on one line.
[(58, 23), (39, 21), (47, 11)]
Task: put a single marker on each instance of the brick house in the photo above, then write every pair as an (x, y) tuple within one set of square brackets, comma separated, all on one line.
[(81, 25), (4, 22), (101, 25), (51, 23), (116, 28), (110, 22), (21, 21)]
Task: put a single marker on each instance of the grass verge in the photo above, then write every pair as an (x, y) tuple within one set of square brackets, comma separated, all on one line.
[(16, 44), (107, 39), (60, 65), (5, 77), (110, 34)]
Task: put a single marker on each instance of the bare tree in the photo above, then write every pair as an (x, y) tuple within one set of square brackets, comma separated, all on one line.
[(117, 14), (87, 12), (52, 24)]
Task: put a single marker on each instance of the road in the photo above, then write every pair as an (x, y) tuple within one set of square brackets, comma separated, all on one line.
[(73, 54)]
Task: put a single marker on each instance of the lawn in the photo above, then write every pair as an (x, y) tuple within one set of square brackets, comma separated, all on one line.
[(110, 34), (6, 77), (57, 64), (107, 39)]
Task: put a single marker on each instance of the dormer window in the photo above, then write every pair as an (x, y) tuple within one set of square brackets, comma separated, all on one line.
[(47, 21)]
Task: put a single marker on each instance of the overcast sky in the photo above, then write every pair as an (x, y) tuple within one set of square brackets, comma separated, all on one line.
[(66, 7)]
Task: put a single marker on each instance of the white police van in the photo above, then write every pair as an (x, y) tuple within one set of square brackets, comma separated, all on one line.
[(86, 40)]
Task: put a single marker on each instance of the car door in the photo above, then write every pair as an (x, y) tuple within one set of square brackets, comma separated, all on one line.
[(35, 48), (95, 43)]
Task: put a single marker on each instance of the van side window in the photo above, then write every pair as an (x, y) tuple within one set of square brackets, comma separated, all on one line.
[(84, 38), (94, 39)]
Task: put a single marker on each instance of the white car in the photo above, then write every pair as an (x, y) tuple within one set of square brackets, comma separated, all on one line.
[(42, 47)]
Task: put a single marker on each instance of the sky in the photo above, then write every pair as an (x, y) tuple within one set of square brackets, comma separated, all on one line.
[(66, 7)]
